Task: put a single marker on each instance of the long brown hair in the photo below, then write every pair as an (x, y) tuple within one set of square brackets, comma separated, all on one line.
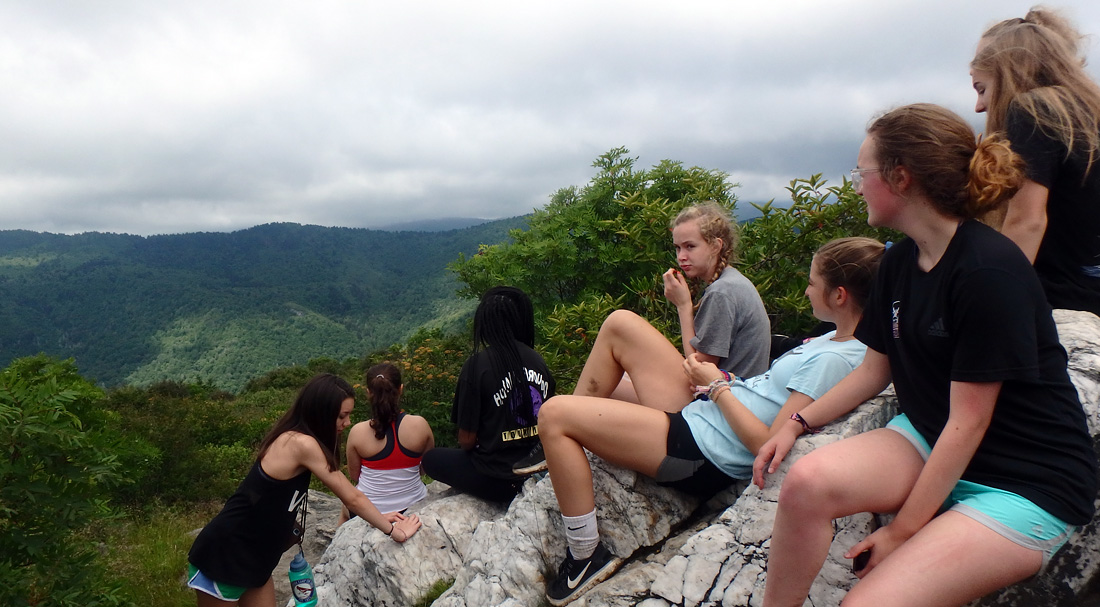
[(1037, 68), (314, 412), (961, 177)]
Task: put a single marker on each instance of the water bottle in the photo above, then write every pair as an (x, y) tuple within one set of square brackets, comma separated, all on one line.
[(301, 582)]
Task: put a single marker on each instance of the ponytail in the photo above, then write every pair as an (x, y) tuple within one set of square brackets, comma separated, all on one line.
[(384, 390)]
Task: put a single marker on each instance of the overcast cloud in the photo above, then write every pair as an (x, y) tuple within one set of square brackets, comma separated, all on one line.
[(167, 117)]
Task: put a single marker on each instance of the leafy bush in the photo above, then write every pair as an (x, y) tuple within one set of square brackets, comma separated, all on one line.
[(197, 442), (56, 465), (594, 249), (776, 248), (604, 246), (609, 238)]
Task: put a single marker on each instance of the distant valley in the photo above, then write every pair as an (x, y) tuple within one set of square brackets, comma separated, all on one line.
[(225, 307)]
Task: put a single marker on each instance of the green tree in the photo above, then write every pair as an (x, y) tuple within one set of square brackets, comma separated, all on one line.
[(776, 248), (56, 465), (607, 238), (595, 249)]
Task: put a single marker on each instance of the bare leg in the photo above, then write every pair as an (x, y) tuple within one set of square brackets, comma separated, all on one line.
[(622, 433), (628, 344), (871, 472), (205, 600), (264, 596), (951, 561), (625, 391)]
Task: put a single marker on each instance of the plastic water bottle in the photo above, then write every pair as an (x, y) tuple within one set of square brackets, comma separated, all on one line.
[(301, 582)]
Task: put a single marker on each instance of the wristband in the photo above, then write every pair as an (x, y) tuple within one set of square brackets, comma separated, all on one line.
[(393, 526), (806, 428)]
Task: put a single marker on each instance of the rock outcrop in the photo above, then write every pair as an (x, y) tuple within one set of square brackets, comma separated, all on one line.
[(680, 553)]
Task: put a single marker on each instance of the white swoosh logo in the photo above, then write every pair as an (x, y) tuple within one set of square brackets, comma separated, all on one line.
[(572, 582)]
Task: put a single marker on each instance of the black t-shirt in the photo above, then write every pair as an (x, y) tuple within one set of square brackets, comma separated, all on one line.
[(980, 316), (491, 407), (1068, 261), (243, 543)]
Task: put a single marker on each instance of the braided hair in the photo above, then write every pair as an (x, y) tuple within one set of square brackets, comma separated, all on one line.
[(503, 319)]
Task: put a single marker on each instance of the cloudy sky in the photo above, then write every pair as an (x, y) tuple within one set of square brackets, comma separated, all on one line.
[(165, 117)]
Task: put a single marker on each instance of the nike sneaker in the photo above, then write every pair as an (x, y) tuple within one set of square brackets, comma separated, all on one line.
[(576, 576)]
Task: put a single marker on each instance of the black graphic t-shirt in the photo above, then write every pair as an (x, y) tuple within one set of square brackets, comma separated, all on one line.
[(980, 315), (491, 407)]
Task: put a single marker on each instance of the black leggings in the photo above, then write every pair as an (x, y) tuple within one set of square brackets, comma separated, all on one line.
[(456, 468)]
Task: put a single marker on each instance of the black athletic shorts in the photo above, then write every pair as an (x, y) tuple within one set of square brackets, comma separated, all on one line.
[(685, 467)]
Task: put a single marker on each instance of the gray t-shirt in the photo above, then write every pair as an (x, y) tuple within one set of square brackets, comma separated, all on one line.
[(731, 323)]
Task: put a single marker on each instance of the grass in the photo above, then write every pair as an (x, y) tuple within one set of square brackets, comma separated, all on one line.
[(433, 593), (147, 552)]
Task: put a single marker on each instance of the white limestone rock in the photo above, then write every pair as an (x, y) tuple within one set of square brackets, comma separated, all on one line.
[(676, 559), (364, 567), (739, 538)]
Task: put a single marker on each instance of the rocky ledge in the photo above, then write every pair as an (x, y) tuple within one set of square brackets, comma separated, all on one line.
[(680, 552)]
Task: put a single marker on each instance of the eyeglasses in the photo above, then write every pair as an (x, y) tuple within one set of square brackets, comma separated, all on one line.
[(857, 176)]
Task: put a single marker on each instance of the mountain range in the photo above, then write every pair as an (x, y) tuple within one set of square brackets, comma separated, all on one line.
[(225, 307)]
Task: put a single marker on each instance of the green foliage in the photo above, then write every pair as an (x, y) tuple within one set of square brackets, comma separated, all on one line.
[(147, 552), (198, 442), (594, 249), (777, 248), (602, 247), (608, 238), (56, 466), (434, 592), (223, 308)]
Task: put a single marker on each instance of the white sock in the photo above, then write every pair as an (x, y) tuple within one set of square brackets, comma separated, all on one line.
[(581, 534)]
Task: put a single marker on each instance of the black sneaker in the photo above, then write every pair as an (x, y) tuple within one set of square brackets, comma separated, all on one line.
[(533, 462), (576, 577)]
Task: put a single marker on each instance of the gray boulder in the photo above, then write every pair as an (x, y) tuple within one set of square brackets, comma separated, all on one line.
[(363, 566), (679, 552), (724, 564)]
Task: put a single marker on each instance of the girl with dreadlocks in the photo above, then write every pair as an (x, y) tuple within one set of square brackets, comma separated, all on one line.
[(496, 404)]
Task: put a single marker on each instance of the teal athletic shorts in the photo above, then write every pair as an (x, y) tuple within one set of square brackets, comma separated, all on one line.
[(198, 580), (1010, 515)]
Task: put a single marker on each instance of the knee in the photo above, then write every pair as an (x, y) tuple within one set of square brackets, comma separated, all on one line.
[(803, 487), (552, 416), (619, 322), (434, 460)]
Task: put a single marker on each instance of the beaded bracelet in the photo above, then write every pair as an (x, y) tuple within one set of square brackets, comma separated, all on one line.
[(703, 392), (806, 427)]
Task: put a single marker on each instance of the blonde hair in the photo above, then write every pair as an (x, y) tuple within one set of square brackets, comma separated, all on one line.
[(960, 177), (714, 224), (1037, 68)]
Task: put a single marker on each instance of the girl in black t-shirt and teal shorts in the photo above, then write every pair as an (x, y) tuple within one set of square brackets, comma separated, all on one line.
[(990, 466)]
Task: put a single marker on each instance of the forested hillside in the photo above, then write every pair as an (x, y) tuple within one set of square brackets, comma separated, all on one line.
[(225, 307)]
